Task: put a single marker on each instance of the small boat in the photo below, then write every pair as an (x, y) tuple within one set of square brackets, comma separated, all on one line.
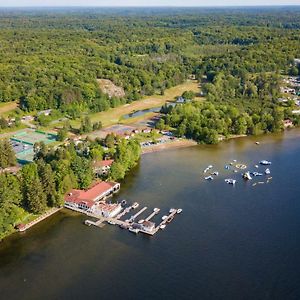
[(141, 221), (163, 226), (230, 181), (208, 168), (267, 171), (164, 217), (135, 205), (257, 143), (208, 178), (134, 230), (156, 209), (170, 219), (111, 222), (179, 210), (234, 160), (86, 222), (227, 167), (123, 202), (265, 162), (256, 166), (247, 176), (172, 210), (216, 173), (257, 174)]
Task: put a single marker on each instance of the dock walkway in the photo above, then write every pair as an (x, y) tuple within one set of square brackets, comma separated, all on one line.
[(128, 223), (152, 215)]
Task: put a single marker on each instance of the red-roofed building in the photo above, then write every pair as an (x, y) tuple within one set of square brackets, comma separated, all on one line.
[(88, 200), (102, 167)]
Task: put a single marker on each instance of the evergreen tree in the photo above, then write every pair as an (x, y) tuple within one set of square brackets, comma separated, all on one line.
[(33, 193)]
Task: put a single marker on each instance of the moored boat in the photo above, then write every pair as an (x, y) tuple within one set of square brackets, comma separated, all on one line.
[(247, 176), (134, 230), (135, 205), (230, 181), (265, 162), (267, 171), (257, 174)]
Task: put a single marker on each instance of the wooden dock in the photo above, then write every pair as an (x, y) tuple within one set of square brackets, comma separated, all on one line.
[(128, 223), (167, 220), (138, 213), (152, 215)]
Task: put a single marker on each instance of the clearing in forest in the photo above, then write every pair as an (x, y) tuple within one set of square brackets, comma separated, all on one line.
[(7, 107), (109, 88), (113, 115)]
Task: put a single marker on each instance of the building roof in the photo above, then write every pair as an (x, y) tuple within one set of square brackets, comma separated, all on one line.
[(89, 196), (108, 207), (13, 170), (103, 163)]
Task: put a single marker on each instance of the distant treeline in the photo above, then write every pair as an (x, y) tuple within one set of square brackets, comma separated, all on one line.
[(52, 58)]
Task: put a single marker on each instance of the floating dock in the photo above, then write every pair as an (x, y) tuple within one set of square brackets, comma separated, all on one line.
[(155, 212), (132, 218), (129, 224)]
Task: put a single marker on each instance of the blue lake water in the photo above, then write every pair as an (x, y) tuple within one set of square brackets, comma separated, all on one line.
[(239, 242)]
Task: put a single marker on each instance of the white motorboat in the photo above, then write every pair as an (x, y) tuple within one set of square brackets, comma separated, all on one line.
[(163, 226), (179, 210), (134, 230), (247, 176), (267, 172), (208, 178), (257, 174), (164, 217), (265, 162), (135, 205), (216, 173), (230, 181)]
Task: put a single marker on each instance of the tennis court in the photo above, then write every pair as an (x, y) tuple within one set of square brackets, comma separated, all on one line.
[(23, 142)]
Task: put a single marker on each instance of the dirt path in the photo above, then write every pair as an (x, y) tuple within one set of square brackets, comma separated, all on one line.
[(6, 107)]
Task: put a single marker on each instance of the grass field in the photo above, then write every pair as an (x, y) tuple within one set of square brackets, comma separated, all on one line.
[(113, 115), (7, 107)]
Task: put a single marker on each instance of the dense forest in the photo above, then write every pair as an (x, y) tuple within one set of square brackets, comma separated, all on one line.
[(53, 58)]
